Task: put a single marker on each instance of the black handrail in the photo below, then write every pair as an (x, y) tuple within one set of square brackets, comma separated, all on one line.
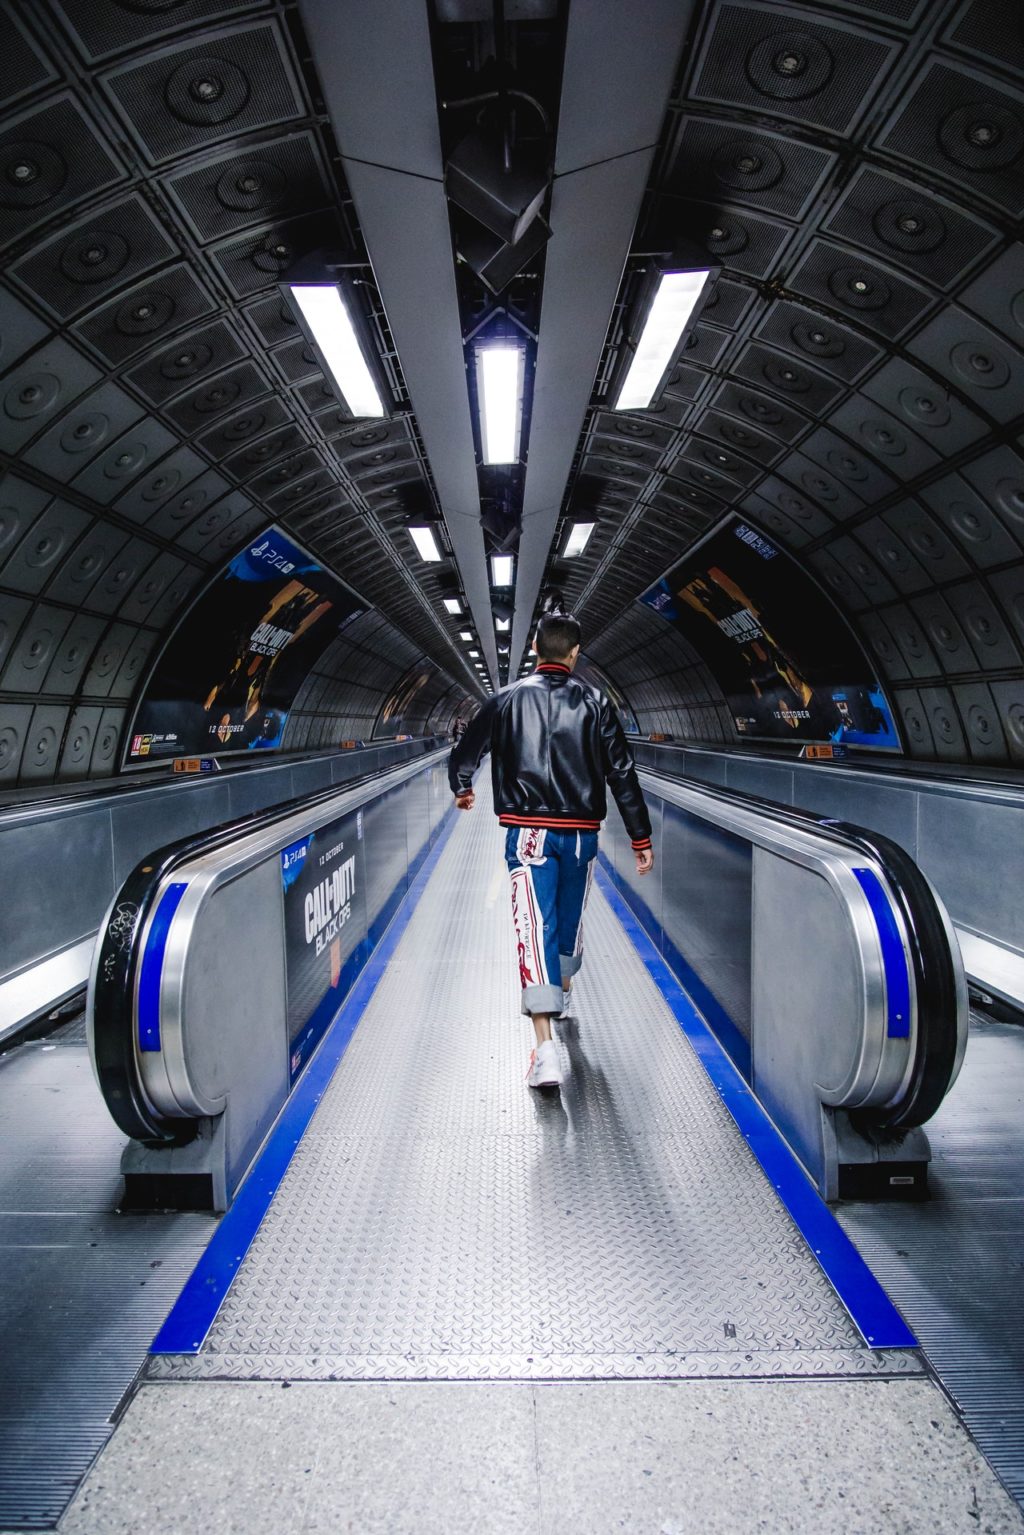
[(935, 1056), (120, 956)]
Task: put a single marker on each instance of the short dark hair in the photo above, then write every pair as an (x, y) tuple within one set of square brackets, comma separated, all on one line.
[(557, 635)]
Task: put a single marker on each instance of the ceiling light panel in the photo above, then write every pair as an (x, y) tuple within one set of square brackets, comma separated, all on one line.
[(453, 606), (579, 537), (499, 383), (328, 325), (674, 305), (426, 543), (502, 569)]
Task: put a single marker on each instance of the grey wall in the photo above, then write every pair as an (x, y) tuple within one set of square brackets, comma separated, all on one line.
[(968, 838), (667, 685), (342, 698), (63, 863)]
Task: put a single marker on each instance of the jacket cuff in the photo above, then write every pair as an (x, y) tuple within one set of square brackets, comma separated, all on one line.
[(638, 844)]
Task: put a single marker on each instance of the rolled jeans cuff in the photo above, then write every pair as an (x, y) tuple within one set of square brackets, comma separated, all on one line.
[(569, 964), (542, 999)]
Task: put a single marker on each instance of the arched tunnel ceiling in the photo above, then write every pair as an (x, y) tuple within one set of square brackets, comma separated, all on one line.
[(856, 387), (160, 166)]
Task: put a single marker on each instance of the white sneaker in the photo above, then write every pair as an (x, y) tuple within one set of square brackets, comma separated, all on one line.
[(544, 1070)]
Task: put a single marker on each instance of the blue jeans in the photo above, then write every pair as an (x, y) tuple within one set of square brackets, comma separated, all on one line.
[(551, 873)]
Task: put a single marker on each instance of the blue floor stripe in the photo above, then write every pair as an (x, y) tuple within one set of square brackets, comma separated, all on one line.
[(870, 1309), (193, 1312)]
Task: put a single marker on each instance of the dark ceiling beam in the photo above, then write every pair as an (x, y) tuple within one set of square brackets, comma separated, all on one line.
[(374, 63), (620, 64)]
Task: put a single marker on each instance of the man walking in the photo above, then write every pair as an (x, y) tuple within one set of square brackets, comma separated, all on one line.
[(555, 743)]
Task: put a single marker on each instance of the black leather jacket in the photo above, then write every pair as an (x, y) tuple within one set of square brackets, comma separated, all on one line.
[(554, 743)]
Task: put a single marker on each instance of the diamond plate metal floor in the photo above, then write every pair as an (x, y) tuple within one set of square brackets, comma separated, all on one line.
[(442, 1221), (82, 1288), (954, 1265)]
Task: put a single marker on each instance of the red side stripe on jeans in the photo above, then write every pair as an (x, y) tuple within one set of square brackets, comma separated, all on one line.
[(538, 933)]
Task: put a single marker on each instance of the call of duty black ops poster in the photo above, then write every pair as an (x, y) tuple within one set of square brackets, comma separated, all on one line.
[(229, 674), (324, 928), (789, 666)]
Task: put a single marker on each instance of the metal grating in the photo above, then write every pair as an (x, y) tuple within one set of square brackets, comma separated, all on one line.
[(440, 1221), (82, 1289), (954, 1265)]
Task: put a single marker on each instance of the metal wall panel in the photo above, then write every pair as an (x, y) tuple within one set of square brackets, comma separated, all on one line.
[(966, 837), (388, 851), (61, 876)]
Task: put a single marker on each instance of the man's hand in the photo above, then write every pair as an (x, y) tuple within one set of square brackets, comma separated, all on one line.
[(644, 860), (465, 801)]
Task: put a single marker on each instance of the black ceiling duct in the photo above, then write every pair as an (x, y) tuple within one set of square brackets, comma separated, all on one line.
[(496, 263), (500, 179), (505, 199)]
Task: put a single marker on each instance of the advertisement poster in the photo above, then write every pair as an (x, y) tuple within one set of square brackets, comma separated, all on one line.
[(396, 717), (324, 925), (588, 671), (790, 667), (230, 672)]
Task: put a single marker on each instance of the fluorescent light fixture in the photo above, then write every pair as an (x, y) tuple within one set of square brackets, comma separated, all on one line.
[(426, 543), (465, 634), (578, 539), (675, 301), (472, 652), (502, 566), (502, 625), (453, 605), (499, 388), (333, 334)]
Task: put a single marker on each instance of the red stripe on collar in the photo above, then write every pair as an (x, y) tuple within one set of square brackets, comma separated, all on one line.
[(552, 666)]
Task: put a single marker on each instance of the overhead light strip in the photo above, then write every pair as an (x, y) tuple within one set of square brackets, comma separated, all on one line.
[(675, 300), (333, 334), (578, 539), (502, 569), (499, 379), (426, 543)]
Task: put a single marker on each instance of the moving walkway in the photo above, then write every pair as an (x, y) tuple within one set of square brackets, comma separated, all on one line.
[(817, 952), (773, 1014)]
